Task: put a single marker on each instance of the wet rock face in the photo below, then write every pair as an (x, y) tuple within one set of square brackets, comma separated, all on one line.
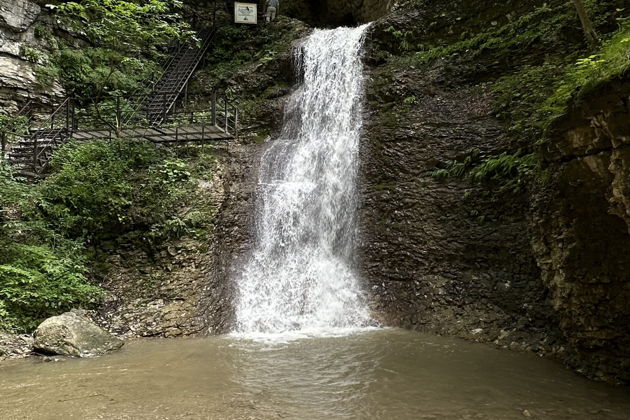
[(546, 269), (443, 256), (73, 334), (581, 240), (446, 257)]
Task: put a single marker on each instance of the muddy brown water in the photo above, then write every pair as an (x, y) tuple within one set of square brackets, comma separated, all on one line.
[(384, 374)]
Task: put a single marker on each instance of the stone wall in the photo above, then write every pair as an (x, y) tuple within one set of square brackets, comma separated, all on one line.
[(18, 81)]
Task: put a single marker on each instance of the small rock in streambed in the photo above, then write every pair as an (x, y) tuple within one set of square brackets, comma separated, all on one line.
[(73, 334)]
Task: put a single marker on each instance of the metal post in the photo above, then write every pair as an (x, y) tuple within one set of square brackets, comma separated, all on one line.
[(214, 107), (118, 114), (164, 107), (225, 107), (75, 125), (203, 132), (235, 122), (68, 115), (214, 14), (34, 151)]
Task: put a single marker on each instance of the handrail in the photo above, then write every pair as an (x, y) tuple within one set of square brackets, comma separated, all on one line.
[(53, 134), (25, 108), (51, 118), (207, 118), (182, 81), (166, 66)]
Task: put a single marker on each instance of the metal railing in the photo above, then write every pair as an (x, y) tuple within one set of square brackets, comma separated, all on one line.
[(17, 126), (199, 118), (50, 135), (118, 113)]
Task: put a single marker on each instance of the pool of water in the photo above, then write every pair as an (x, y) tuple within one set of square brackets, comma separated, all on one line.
[(383, 374)]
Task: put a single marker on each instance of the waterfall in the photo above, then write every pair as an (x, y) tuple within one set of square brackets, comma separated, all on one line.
[(299, 277)]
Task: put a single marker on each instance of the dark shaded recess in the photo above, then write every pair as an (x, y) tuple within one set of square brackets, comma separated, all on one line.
[(333, 13), (319, 13)]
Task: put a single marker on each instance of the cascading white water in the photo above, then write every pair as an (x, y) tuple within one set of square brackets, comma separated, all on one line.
[(299, 277)]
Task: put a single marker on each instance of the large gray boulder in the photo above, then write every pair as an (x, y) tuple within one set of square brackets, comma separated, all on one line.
[(73, 334)]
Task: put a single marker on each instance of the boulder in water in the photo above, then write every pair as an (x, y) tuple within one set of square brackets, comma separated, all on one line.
[(73, 334)]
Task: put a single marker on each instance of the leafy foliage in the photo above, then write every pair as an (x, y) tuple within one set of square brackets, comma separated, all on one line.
[(610, 62), (126, 40), (11, 126), (41, 272), (91, 190), (540, 26), (100, 191), (520, 95), (36, 282), (511, 171)]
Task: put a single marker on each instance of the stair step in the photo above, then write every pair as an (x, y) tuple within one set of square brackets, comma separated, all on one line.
[(31, 144)]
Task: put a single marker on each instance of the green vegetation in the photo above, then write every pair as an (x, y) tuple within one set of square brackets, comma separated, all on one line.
[(534, 97), (539, 26), (560, 70), (235, 63), (511, 171), (11, 126), (42, 272), (586, 74), (103, 196), (121, 191), (38, 282), (91, 190), (125, 42)]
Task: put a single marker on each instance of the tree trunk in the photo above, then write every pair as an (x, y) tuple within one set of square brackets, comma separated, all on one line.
[(591, 36)]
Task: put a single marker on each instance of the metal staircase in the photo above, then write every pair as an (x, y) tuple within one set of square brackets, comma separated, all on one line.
[(176, 77), (31, 155), (161, 116)]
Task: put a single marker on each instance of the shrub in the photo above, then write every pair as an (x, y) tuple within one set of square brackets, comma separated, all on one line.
[(41, 272), (91, 190), (36, 283)]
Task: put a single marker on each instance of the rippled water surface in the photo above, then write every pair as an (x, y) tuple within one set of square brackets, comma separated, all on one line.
[(386, 374)]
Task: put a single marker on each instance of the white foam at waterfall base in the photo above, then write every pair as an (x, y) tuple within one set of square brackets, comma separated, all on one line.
[(299, 280)]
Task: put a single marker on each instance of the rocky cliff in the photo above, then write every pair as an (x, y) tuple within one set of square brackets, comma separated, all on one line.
[(581, 237), (445, 257), (20, 21), (540, 266)]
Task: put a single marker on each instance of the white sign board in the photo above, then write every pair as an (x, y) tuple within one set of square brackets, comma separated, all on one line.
[(246, 13)]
